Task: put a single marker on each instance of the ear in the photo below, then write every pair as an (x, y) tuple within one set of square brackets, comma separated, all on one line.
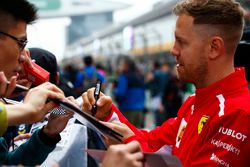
[(216, 47)]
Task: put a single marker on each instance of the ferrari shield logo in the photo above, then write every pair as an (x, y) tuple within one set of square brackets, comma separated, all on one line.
[(202, 122)]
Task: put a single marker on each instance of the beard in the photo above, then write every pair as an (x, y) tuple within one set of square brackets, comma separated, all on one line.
[(194, 73)]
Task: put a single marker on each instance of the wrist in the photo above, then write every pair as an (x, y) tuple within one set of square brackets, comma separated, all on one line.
[(48, 140), (47, 131)]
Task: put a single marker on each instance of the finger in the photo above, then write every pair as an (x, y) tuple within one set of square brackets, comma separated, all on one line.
[(133, 147), (118, 123), (104, 100), (23, 136), (86, 106), (50, 91), (72, 101), (138, 156), (3, 84), (109, 124), (11, 86), (53, 87), (118, 126), (90, 94)]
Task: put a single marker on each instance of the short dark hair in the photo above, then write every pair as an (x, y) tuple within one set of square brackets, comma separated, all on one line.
[(226, 16), (88, 60), (46, 60), (224, 12), (12, 11)]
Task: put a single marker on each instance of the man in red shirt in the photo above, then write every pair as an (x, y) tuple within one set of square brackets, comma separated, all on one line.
[(212, 126)]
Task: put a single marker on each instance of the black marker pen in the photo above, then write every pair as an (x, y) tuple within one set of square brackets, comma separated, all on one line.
[(98, 87)]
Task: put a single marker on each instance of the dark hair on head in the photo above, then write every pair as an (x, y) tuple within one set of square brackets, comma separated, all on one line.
[(88, 60), (157, 65), (46, 60), (224, 12), (129, 62), (226, 17), (12, 11)]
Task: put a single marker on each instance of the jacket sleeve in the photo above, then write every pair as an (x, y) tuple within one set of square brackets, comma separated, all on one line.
[(3, 119), (33, 152), (153, 140), (226, 143)]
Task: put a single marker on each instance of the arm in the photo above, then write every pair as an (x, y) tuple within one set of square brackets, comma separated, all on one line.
[(32, 152), (34, 109), (36, 149), (3, 119), (150, 141)]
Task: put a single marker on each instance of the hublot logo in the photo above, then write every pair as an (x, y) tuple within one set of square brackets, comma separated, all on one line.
[(232, 133)]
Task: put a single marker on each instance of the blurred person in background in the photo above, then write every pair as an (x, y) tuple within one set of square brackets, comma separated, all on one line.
[(173, 95), (101, 69), (156, 81), (88, 76), (129, 91), (67, 79), (48, 61)]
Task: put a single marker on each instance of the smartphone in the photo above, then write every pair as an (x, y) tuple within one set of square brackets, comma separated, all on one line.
[(19, 88), (37, 75)]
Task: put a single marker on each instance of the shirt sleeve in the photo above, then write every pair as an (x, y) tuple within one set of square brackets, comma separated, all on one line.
[(3, 119), (31, 153), (150, 141)]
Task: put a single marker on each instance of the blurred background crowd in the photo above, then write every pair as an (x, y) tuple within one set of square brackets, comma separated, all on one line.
[(123, 44)]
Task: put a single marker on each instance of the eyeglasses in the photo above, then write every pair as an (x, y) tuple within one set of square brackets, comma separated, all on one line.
[(21, 42)]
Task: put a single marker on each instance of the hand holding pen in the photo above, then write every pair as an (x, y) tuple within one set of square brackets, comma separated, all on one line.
[(96, 96)]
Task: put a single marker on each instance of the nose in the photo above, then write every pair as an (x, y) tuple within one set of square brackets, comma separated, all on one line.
[(174, 51), (22, 57)]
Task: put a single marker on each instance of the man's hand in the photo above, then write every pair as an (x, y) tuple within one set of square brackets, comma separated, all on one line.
[(121, 128), (57, 123), (124, 155), (36, 98), (104, 104), (6, 89)]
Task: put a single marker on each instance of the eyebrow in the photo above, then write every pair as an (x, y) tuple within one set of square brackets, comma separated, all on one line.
[(179, 38)]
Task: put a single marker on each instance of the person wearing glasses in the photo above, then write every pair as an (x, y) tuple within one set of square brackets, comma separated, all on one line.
[(15, 15)]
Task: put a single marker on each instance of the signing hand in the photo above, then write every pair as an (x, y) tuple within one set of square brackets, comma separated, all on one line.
[(121, 128), (103, 104)]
